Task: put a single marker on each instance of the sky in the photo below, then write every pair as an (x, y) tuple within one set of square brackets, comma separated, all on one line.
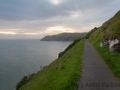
[(34, 19)]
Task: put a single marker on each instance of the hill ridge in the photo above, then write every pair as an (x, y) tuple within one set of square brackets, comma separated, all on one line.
[(64, 37)]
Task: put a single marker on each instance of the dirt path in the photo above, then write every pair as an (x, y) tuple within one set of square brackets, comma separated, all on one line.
[(95, 73)]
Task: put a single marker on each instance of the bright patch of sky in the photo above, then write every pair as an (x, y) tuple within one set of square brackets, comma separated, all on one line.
[(56, 1)]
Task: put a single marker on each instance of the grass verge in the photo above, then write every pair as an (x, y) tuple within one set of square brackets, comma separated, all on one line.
[(62, 74), (111, 59)]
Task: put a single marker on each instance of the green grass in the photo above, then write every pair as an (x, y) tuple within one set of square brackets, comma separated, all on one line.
[(111, 30), (62, 74), (111, 59)]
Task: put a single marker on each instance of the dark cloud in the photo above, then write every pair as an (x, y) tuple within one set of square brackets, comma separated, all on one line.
[(28, 9), (43, 9)]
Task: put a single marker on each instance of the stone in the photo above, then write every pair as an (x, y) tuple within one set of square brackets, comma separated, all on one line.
[(60, 54), (113, 45), (117, 47)]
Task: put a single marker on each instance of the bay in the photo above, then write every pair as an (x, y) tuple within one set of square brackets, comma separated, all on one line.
[(23, 57)]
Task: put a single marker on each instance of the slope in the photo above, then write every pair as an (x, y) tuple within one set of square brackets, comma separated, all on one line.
[(62, 74), (110, 29)]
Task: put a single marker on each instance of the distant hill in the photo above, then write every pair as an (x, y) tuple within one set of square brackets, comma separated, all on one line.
[(63, 37)]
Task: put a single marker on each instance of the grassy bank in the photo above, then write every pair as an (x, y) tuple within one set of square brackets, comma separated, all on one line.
[(109, 30), (111, 59), (62, 74)]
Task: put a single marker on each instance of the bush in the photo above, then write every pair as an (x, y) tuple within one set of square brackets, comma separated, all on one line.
[(21, 82), (90, 32), (69, 47), (72, 44)]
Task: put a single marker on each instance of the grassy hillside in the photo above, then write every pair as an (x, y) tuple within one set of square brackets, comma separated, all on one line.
[(109, 29), (62, 74)]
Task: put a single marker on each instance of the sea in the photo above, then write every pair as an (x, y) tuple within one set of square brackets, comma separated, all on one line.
[(20, 58)]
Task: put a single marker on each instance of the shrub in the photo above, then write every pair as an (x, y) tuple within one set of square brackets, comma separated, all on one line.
[(21, 82)]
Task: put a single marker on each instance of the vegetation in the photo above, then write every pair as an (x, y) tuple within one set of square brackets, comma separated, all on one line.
[(90, 32), (109, 29), (72, 44), (69, 47), (21, 83), (62, 74), (111, 59)]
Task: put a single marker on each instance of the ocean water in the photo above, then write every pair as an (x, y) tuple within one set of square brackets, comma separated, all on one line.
[(23, 57)]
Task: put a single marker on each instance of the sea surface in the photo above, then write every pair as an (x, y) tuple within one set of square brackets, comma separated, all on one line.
[(23, 57)]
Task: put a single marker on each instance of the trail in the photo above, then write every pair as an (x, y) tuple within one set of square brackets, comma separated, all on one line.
[(95, 73)]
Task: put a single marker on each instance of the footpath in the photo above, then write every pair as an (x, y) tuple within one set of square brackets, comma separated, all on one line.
[(95, 73)]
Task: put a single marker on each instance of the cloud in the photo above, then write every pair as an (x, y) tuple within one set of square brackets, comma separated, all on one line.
[(43, 9), (36, 17)]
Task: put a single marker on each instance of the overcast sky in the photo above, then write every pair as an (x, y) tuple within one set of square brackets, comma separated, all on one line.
[(37, 18)]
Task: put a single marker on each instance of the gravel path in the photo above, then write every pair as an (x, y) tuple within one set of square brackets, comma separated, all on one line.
[(95, 73)]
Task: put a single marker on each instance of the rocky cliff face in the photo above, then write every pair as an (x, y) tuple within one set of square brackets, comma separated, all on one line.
[(64, 37)]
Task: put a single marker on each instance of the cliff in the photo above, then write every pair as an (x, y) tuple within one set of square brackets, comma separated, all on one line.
[(61, 74)]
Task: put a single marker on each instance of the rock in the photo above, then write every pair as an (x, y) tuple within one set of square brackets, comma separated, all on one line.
[(102, 44), (113, 45), (60, 54), (117, 47)]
